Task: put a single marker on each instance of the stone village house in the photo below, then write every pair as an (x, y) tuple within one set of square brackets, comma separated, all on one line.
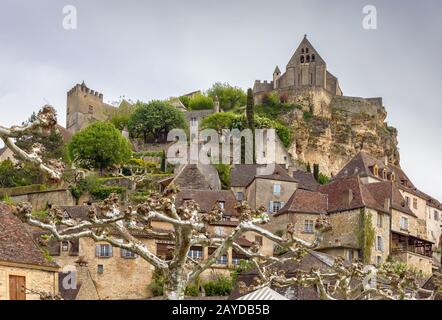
[(113, 273), (24, 268)]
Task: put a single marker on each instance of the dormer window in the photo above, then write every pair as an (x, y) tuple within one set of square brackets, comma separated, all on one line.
[(376, 170)]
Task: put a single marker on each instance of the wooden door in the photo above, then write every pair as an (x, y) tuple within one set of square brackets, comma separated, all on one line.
[(17, 287)]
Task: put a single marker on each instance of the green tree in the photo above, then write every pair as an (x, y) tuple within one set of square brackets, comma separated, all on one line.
[(53, 144), (229, 97), (250, 113), (99, 146), (120, 116), (154, 119), (200, 102)]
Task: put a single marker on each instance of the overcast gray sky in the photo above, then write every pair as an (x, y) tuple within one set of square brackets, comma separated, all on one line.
[(156, 49)]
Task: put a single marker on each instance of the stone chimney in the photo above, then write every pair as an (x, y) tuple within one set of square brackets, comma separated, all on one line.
[(216, 105), (83, 270), (347, 198), (387, 204)]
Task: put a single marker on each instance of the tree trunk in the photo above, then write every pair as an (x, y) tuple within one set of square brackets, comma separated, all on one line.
[(175, 284)]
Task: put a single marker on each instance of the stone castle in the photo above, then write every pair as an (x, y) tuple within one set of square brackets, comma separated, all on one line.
[(328, 128), (307, 82), (85, 106)]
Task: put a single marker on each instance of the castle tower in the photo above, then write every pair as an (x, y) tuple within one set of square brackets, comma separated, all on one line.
[(276, 75), (85, 106)]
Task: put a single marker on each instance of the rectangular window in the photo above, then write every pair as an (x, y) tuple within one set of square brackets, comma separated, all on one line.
[(65, 246), (277, 189), (193, 121), (308, 226), (103, 251), (276, 207), (239, 196), (126, 254), (436, 215), (415, 204), (380, 244), (222, 260), (407, 200), (100, 269), (379, 222), (91, 109), (350, 255), (219, 231), (221, 204), (378, 260), (404, 224), (196, 253), (258, 240)]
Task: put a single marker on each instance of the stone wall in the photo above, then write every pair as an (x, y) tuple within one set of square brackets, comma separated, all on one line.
[(40, 280), (41, 200), (122, 278), (415, 262), (260, 192), (280, 222)]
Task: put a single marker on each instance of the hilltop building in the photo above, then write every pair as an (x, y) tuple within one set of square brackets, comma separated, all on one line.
[(85, 106)]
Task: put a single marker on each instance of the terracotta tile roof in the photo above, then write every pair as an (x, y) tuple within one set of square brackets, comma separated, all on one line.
[(388, 190), (197, 177), (305, 201), (305, 180), (242, 175), (17, 243), (363, 165), (338, 192), (208, 199)]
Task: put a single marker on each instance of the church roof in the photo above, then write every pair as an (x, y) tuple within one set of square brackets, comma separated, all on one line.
[(277, 70), (305, 45)]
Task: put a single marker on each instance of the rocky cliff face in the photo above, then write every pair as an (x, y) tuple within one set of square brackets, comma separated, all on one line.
[(331, 132)]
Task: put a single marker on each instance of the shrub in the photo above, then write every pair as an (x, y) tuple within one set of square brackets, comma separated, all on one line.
[(200, 102), (224, 175), (222, 286), (104, 192)]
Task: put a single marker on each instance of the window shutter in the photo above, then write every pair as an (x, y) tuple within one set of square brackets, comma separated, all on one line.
[(97, 250), (271, 207)]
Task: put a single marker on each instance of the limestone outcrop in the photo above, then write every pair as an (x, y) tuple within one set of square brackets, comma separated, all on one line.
[(330, 134)]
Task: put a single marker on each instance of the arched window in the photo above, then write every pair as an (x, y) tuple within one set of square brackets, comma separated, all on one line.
[(313, 58), (384, 174), (302, 59), (302, 50), (306, 50), (308, 59)]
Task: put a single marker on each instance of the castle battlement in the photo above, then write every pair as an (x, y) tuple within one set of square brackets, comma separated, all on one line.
[(84, 89)]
